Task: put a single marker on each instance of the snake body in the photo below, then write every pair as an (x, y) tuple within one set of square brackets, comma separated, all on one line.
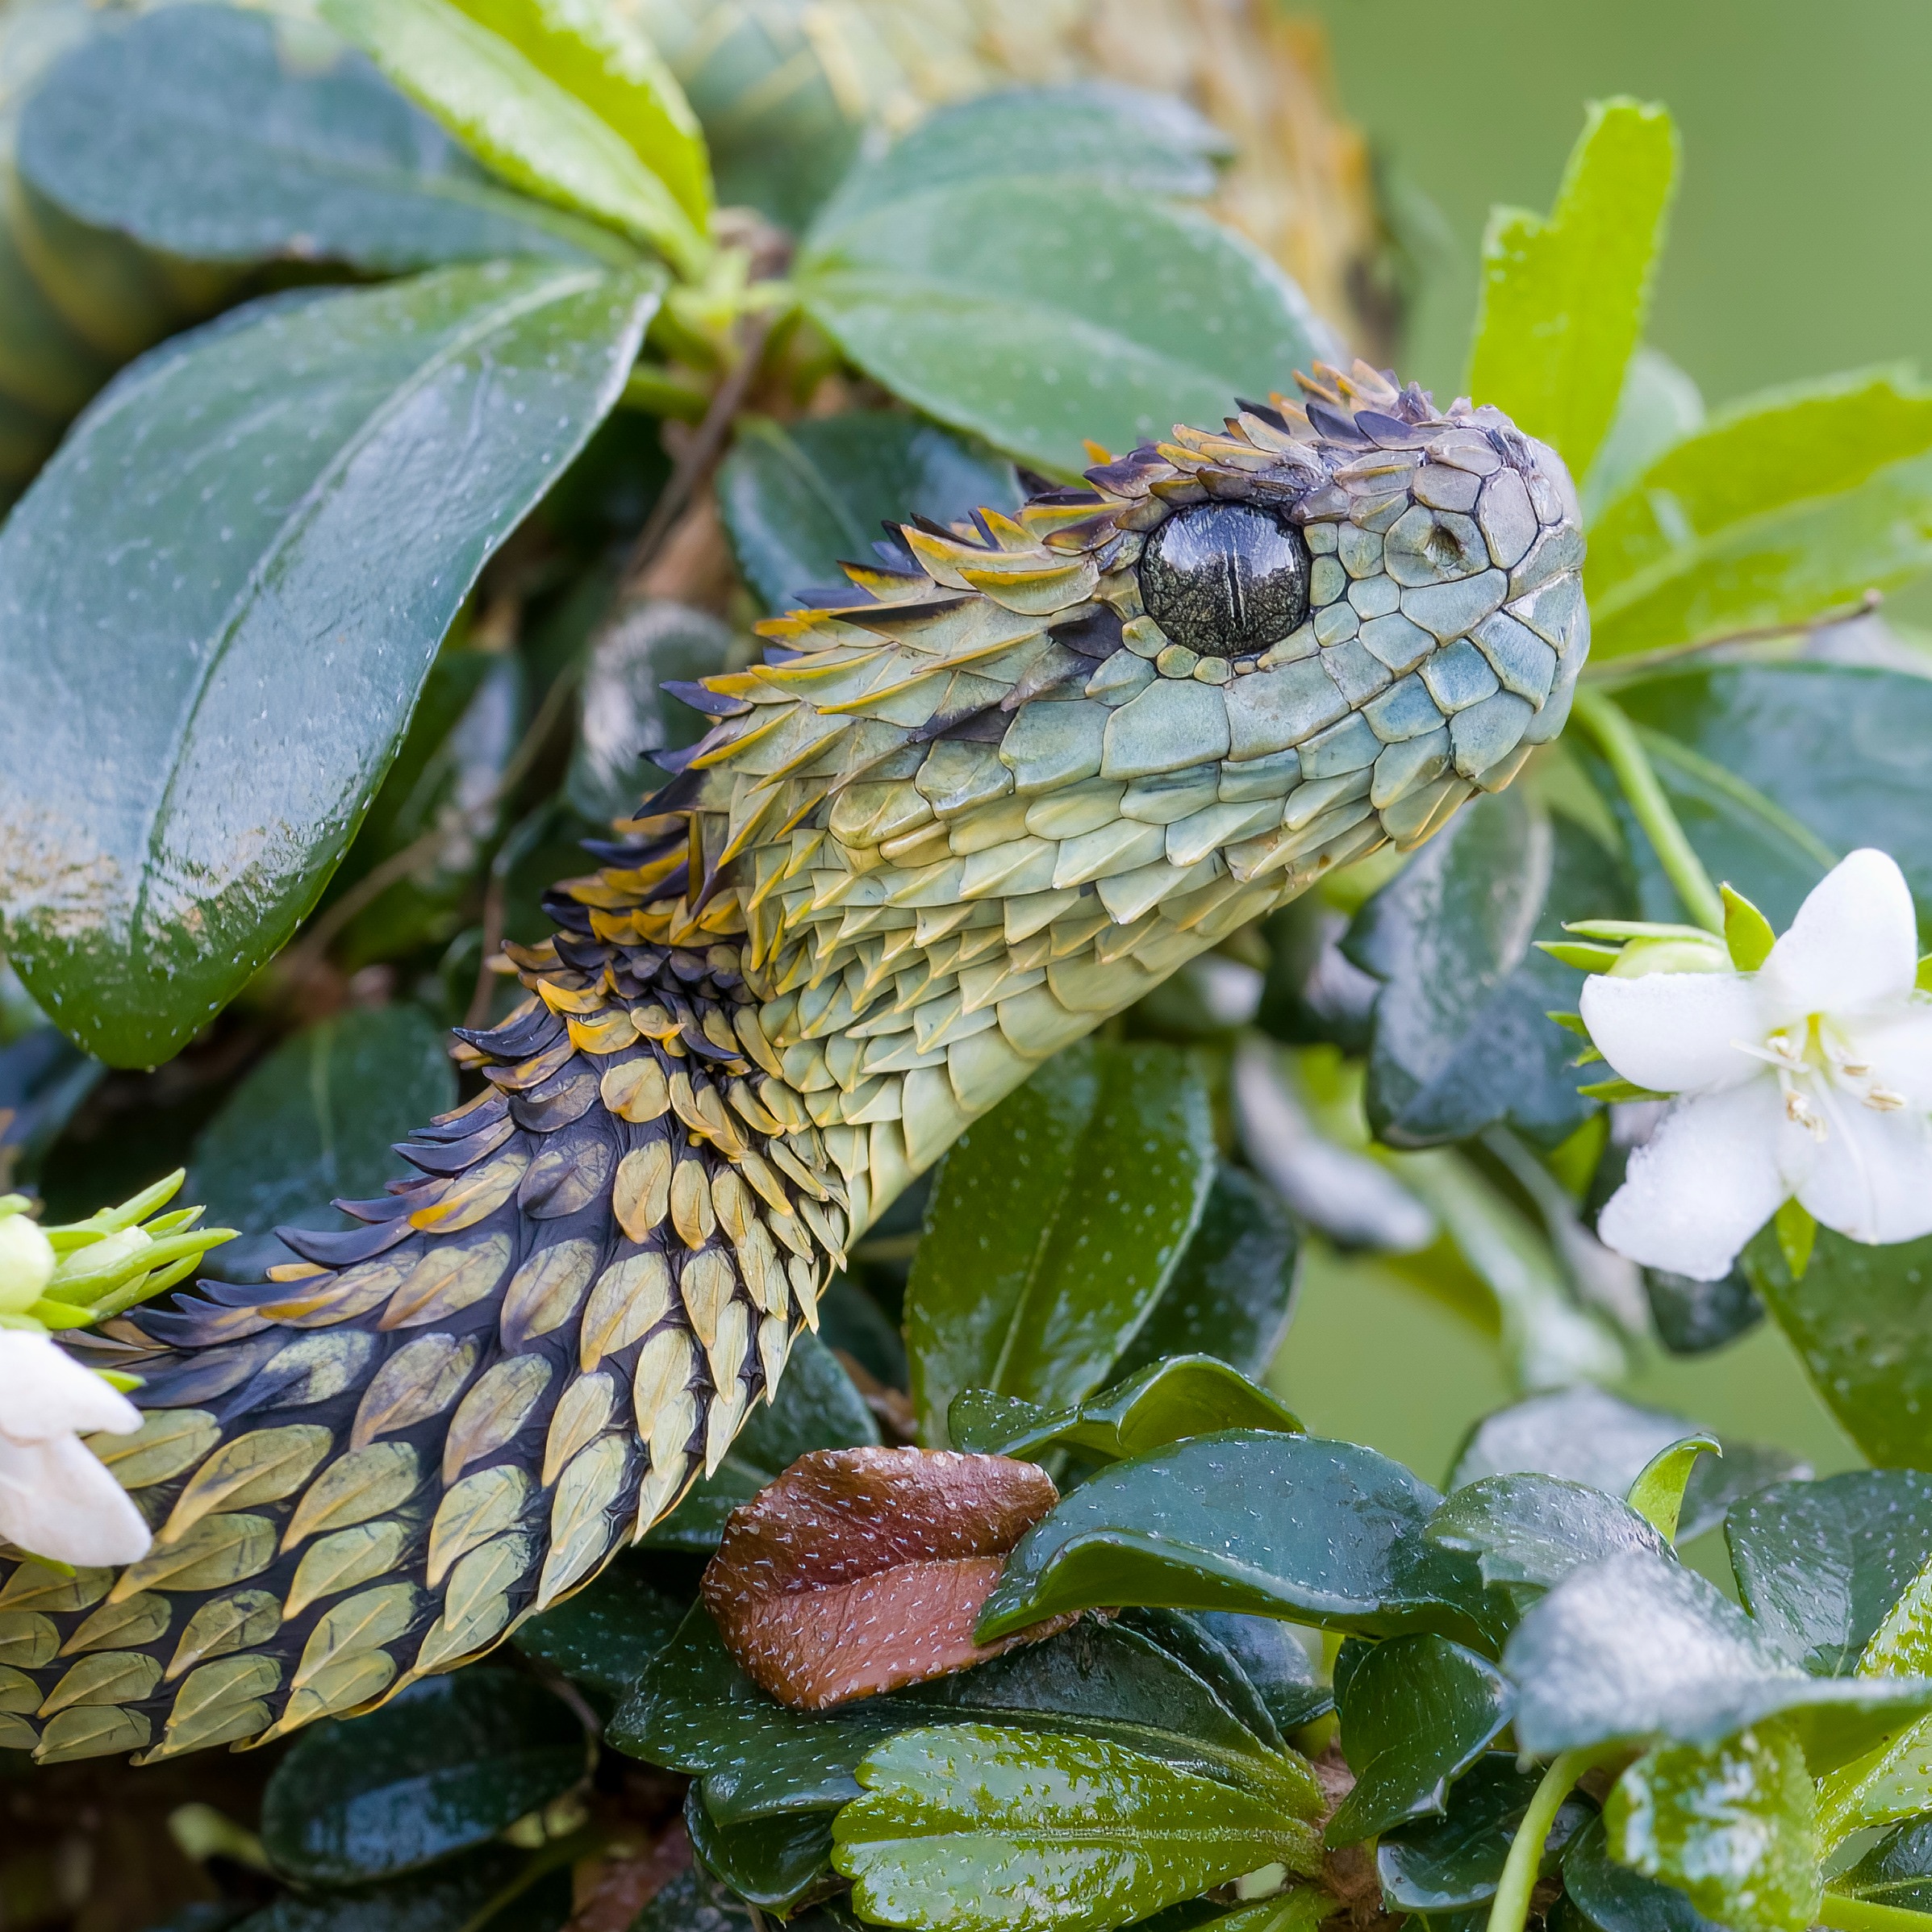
[(968, 808)]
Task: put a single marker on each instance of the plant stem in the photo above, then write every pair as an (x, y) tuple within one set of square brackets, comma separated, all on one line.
[(1866, 1915), (1617, 739), (1510, 1909)]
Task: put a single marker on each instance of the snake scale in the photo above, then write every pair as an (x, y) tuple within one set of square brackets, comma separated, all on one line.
[(989, 794)]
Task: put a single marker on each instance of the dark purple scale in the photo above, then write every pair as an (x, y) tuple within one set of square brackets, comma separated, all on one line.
[(1225, 579)]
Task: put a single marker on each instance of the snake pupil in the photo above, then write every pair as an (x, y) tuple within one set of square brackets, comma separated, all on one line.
[(1225, 579)]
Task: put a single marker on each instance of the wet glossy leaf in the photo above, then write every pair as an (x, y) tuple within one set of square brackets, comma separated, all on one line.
[(694, 1901), (606, 1634), (1417, 1714), (1091, 131), (44, 1077), (1275, 1662), (1450, 1863), (1616, 1899), (1635, 1646), (799, 499), (1564, 298), (625, 713), (1819, 1564), (1785, 505), (696, 1710), (445, 1766), (602, 56), (772, 1861), (1732, 1824), (315, 1121), (1858, 1319), (1037, 313), (1693, 1317), (1202, 1526), (518, 121), (1658, 1494), (1231, 1293), (1184, 1395), (191, 130), (1529, 1532), (342, 465), (958, 1823), (450, 1899), (863, 1570), (1896, 1870), (1054, 1225), (817, 1407), (1588, 1435), (1892, 1781), (1461, 1036)]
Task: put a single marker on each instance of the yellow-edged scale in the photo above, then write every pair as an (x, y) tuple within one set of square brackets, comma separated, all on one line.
[(1018, 772)]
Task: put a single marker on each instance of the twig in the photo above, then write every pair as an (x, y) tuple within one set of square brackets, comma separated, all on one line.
[(700, 453)]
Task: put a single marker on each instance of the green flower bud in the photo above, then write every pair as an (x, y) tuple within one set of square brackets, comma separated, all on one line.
[(27, 1264), (1671, 955)]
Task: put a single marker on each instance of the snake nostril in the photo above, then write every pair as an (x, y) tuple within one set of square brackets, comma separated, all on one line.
[(1224, 579)]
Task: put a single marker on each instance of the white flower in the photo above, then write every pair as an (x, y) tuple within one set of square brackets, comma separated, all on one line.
[(57, 1499), (1811, 1077)]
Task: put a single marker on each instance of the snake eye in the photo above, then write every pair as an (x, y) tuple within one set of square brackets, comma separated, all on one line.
[(1225, 579)]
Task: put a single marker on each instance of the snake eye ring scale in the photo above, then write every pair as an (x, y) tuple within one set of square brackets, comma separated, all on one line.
[(989, 794)]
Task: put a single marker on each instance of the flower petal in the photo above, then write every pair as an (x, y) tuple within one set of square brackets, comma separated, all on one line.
[(45, 1393), (1702, 1185), (1855, 942), (1672, 1031), (1871, 1176), (58, 1499), (1897, 1047)]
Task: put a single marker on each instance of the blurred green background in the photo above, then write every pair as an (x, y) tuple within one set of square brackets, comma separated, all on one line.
[(1797, 246), (1798, 241)]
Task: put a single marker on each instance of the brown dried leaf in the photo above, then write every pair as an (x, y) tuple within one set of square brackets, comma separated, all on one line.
[(863, 1570)]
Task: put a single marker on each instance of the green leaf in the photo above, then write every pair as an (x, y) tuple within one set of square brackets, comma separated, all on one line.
[(626, 714), (1635, 1646), (1054, 1226), (799, 499), (817, 1407), (1529, 1532), (1820, 1564), (341, 465), (318, 1118), (1732, 1824), (1896, 1870), (1124, 137), (1462, 1039), (958, 1823), (444, 1766), (771, 1862), (601, 56), (1615, 1899), (1183, 1396), (1693, 1317), (1451, 1863), (188, 130), (450, 1899), (695, 1711), (1564, 298), (1838, 747), (694, 1901), (1659, 407), (517, 121), (1202, 1526), (1233, 1291), (1797, 1232), (1784, 505), (1892, 1781), (1417, 1714), (1657, 1496), (606, 1634), (1858, 1319), (1038, 314)]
